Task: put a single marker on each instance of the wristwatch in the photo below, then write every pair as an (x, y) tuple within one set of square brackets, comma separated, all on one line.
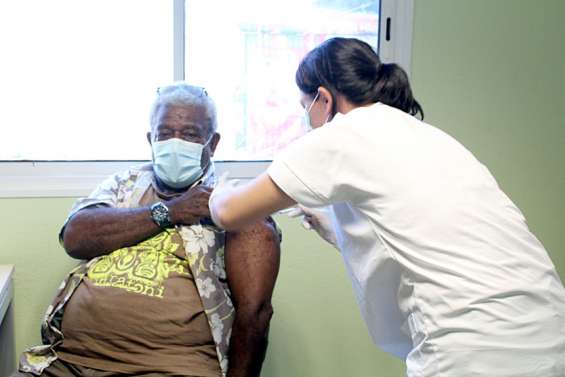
[(160, 215)]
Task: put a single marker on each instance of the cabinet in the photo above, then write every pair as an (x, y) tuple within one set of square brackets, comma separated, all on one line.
[(7, 353)]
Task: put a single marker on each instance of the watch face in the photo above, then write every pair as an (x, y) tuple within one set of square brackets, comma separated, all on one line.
[(160, 214)]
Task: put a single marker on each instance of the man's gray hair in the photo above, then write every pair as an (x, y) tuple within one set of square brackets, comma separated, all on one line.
[(182, 93)]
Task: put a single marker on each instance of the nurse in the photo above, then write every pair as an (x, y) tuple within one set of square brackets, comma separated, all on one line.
[(445, 270)]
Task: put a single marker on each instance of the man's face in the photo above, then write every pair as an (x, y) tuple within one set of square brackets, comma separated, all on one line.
[(188, 123)]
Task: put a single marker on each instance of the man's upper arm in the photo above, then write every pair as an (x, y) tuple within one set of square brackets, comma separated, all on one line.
[(252, 258)]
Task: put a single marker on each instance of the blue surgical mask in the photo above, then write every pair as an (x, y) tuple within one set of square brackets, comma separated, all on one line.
[(307, 114), (178, 162)]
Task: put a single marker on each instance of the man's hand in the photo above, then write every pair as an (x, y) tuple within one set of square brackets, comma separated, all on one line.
[(191, 206)]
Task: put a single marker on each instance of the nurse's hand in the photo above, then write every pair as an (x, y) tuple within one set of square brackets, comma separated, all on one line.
[(317, 219), (223, 185)]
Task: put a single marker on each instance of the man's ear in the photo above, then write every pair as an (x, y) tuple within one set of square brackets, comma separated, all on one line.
[(327, 100), (149, 138), (214, 142)]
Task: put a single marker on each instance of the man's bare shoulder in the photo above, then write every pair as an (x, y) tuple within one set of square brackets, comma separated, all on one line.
[(265, 230)]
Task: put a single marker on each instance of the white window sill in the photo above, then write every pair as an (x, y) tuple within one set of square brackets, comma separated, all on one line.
[(52, 179)]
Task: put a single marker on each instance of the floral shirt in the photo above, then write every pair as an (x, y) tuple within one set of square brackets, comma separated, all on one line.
[(204, 248)]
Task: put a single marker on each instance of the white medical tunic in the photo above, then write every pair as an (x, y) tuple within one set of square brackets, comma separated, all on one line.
[(443, 265)]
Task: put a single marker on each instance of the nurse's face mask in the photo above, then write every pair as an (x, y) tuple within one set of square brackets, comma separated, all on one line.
[(307, 120)]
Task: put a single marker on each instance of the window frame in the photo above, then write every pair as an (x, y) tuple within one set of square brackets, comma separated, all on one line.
[(36, 179)]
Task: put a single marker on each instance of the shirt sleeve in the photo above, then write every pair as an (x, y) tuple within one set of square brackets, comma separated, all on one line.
[(309, 169)]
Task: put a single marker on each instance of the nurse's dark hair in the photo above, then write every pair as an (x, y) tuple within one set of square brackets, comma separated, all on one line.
[(353, 69)]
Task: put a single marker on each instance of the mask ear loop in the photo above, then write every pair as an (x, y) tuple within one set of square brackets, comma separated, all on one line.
[(329, 117), (209, 140), (209, 160), (312, 103), (307, 120)]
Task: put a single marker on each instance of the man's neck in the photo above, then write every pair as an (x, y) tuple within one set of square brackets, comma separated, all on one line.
[(166, 192)]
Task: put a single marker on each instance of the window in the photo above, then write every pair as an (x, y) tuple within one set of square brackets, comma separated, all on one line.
[(81, 76), (78, 77), (247, 54)]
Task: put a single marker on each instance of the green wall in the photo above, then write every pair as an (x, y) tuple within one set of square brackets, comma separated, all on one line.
[(492, 74), (316, 329), (488, 72)]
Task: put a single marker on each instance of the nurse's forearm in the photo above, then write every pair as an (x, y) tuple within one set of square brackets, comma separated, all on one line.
[(236, 208)]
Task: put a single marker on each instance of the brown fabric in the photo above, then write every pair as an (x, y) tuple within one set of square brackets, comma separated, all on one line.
[(60, 368), (204, 248), (138, 311)]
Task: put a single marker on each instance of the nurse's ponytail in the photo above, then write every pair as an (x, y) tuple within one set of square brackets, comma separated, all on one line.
[(351, 68)]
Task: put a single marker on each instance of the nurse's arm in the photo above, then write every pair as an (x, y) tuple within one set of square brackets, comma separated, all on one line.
[(238, 207)]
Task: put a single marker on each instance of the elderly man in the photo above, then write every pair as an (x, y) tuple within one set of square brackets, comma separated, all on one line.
[(161, 292)]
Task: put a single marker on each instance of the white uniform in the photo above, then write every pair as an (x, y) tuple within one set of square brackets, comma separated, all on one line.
[(444, 267)]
